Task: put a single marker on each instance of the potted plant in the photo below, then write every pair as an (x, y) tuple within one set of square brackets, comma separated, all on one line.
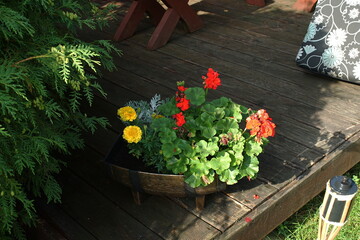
[(204, 144)]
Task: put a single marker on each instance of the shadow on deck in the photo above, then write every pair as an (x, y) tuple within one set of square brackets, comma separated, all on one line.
[(254, 50)]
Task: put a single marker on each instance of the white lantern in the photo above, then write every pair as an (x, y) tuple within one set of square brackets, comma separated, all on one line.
[(335, 209)]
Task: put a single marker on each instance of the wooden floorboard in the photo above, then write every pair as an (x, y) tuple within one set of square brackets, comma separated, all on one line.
[(253, 49)]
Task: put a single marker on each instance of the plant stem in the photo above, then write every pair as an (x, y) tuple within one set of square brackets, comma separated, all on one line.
[(30, 58)]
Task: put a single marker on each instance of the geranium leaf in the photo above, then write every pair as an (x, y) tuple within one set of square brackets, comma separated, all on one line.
[(221, 162), (162, 123), (205, 149), (250, 166), (207, 118), (169, 108), (194, 181), (198, 167), (169, 150), (196, 95), (253, 148), (177, 165), (186, 148), (220, 102), (167, 135), (226, 124), (229, 176), (208, 132), (235, 111)]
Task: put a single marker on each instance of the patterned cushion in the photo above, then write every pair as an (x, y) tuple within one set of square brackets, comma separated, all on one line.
[(331, 45)]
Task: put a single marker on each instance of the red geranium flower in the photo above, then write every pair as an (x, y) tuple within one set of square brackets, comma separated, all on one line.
[(260, 125), (212, 80), (180, 119), (182, 88), (253, 124), (183, 104), (263, 115), (267, 129)]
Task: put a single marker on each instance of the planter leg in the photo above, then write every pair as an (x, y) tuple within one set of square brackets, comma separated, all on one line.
[(137, 197), (200, 202)]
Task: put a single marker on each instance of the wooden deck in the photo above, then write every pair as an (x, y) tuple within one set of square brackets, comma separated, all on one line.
[(318, 123)]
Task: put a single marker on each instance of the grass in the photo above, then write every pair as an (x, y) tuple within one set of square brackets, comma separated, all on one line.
[(303, 225)]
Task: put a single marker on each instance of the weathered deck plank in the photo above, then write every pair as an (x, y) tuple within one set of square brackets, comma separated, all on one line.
[(253, 49), (91, 210), (170, 219)]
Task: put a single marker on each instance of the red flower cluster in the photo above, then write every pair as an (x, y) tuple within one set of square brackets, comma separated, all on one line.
[(180, 119), (260, 125), (212, 79), (182, 103)]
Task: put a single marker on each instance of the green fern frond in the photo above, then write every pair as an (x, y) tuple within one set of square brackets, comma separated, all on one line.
[(53, 110), (75, 98), (18, 232), (8, 215), (5, 169), (89, 95), (98, 87), (23, 161), (13, 24), (109, 47), (70, 4), (9, 76), (73, 139), (8, 105), (3, 132), (91, 123), (52, 190)]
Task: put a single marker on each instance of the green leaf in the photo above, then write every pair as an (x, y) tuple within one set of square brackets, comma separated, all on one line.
[(177, 165), (194, 180), (169, 150), (235, 111), (250, 166), (167, 136), (253, 148), (169, 108), (221, 162), (207, 119), (226, 124), (198, 167), (206, 148), (238, 149), (229, 176), (186, 148), (220, 102), (219, 113), (196, 95), (162, 123), (208, 132)]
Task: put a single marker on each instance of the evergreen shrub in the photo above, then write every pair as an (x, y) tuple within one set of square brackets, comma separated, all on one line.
[(46, 74)]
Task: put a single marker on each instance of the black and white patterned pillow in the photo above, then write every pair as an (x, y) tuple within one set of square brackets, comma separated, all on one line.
[(331, 45)]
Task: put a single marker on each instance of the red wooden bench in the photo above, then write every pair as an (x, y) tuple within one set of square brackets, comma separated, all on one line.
[(165, 20)]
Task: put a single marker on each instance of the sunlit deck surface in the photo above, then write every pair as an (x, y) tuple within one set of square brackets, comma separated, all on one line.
[(318, 123)]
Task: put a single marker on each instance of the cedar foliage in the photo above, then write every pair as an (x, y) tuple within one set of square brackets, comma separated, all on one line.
[(45, 73)]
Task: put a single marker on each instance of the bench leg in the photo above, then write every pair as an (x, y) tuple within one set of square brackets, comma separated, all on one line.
[(164, 29), (135, 14), (186, 13)]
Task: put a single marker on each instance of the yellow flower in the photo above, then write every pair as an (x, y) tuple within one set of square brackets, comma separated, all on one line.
[(132, 134), (127, 113)]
